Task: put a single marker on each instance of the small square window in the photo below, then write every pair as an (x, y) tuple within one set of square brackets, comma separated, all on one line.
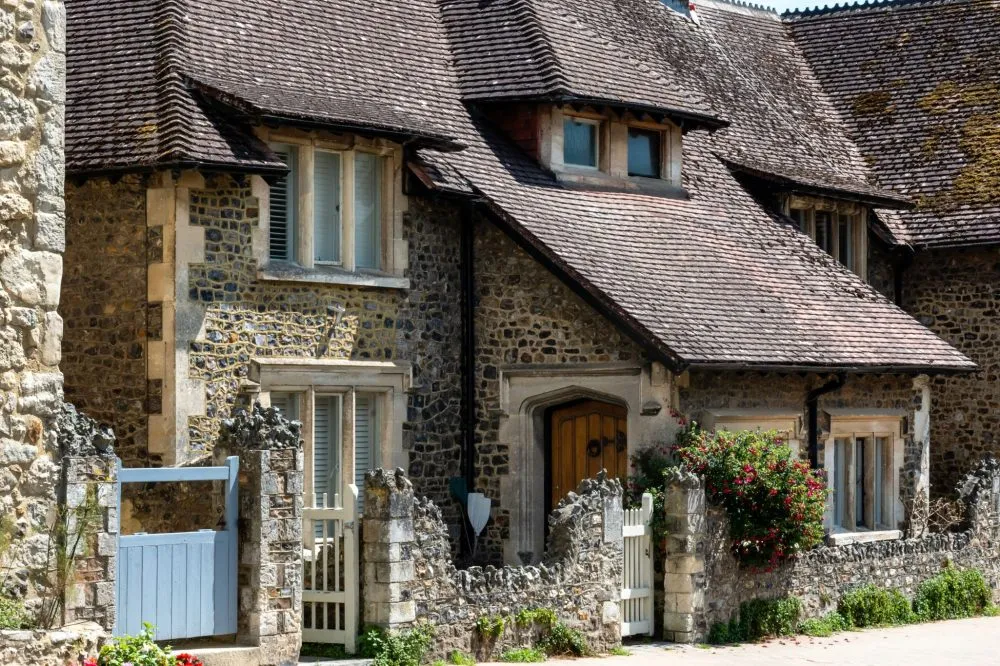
[(644, 152), (580, 142)]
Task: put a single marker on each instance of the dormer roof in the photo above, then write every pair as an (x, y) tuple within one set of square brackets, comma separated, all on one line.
[(564, 52)]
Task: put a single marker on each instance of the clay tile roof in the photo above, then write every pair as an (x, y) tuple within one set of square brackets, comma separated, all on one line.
[(155, 82), (917, 82), (711, 280), (563, 51)]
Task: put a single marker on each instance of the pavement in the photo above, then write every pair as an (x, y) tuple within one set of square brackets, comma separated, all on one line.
[(953, 643)]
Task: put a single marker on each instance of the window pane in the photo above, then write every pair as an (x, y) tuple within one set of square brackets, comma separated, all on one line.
[(365, 439), (326, 448), (839, 481), (284, 196), (824, 230), (579, 143), (845, 227), (326, 222), (859, 481), (367, 211), (798, 216), (883, 482), (643, 153)]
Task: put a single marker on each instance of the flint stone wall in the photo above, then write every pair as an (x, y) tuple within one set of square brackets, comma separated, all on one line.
[(409, 575), (704, 584), (49, 648)]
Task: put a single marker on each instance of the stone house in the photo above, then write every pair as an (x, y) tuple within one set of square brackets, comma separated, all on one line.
[(918, 87), (507, 244)]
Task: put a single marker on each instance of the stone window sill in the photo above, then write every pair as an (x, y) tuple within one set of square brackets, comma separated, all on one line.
[(283, 272), (844, 538), (599, 181)]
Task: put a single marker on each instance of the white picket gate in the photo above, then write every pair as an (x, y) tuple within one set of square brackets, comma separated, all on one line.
[(637, 583), (330, 570)]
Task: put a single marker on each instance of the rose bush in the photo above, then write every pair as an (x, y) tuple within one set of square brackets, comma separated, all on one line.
[(775, 504)]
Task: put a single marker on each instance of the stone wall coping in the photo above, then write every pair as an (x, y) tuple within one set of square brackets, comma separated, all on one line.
[(847, 538)]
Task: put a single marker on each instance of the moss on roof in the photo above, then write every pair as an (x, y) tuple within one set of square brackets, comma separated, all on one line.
[(873, 103)]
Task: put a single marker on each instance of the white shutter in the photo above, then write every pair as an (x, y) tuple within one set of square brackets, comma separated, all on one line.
[(284, 194), (326, 188), (326, 447), (365, 440), (367, 210), (287, 404)]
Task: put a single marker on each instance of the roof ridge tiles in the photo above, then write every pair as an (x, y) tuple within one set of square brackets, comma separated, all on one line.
[(838, 8), (168, 45), (741, 4)]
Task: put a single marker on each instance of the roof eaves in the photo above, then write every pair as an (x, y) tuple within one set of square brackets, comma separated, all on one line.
[(879, 198), (270, 116), (682, 117), (851, 368)]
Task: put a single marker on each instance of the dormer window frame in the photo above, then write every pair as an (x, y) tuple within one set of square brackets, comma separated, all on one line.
[(825, 222), (599, 130), (612, 172)]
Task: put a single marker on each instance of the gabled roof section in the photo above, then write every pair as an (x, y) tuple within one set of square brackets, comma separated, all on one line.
[(155, 83), (917, 82), (128, 109), (562, 51), (713, 281)]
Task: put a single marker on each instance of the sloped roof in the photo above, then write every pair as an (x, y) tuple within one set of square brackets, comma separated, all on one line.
[(713, 280), (918, 85), (154, 83), (560, 51)]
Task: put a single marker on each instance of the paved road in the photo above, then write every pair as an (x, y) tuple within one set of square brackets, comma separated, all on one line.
[(958, 642)]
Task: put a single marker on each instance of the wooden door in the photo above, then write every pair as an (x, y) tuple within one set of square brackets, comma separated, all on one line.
[(586, 437)]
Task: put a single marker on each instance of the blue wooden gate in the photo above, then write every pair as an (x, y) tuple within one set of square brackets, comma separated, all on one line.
[(183, 583)]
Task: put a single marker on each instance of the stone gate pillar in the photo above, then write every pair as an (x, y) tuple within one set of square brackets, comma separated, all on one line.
[(388, 542), (684, 570), (270, 531)]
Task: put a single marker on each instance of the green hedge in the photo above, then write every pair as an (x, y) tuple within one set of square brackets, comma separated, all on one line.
[(951, 594), (871, 606)]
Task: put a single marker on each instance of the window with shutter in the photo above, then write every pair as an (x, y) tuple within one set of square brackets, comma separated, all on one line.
[(327, 207), (326, 447), (367, 210), (365, 439), (284, 195), (287, 404)]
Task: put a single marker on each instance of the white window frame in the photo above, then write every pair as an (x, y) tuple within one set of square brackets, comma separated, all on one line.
[(857, 219), (393, 249), (387, 381), (849, 427)]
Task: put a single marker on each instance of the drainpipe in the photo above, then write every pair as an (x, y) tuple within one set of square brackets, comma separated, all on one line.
[(812, 404), (467, 270), (901, 264)]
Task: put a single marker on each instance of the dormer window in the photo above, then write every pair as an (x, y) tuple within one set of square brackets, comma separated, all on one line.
[(592, 147), (581, 142), (839, 228)]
